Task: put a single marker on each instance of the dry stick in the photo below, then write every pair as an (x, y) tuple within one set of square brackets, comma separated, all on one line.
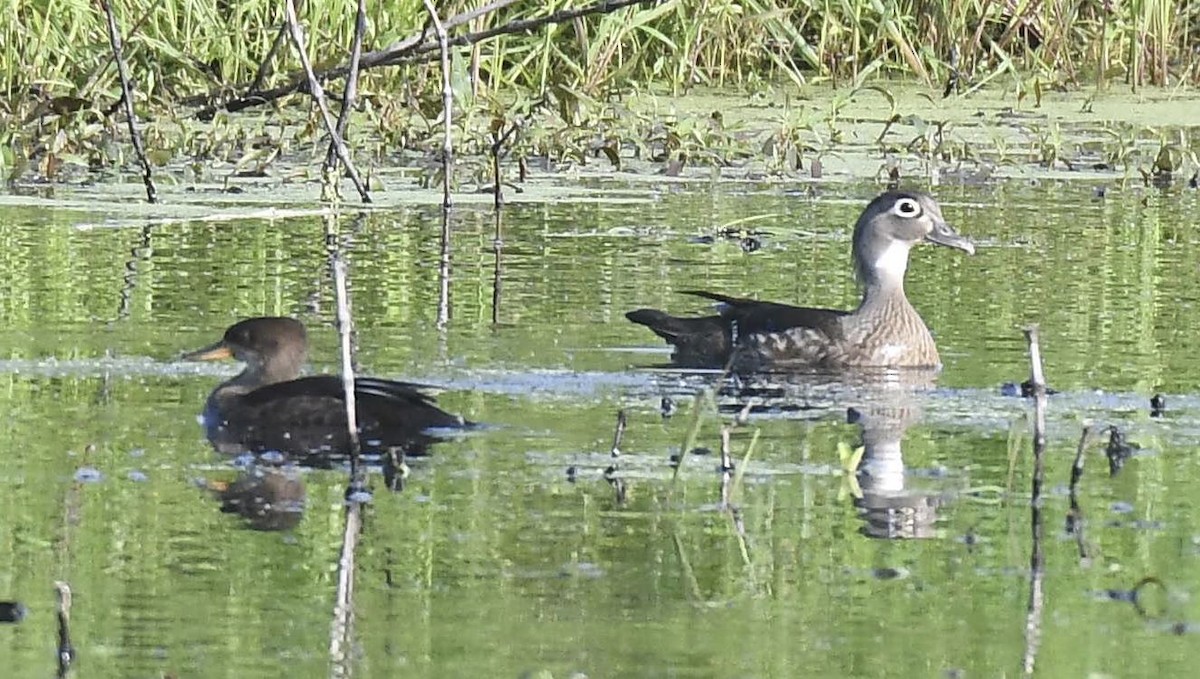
[(264, 68), (412, 49), (726, 468), (447, 103), (497, 270), (314, 88), (497, 146), (443, 315), (615, 451), (114, 40), (66, 652), (1037, 558), (343, 612), (1077, 466), (94, 76), (350, 93), (345, 328), (610, 473), (387, 57)]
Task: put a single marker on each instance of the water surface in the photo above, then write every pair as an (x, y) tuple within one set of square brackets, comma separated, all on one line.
[(493, 561)]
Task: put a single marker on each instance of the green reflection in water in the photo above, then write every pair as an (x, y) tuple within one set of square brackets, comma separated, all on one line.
[(491, 563)]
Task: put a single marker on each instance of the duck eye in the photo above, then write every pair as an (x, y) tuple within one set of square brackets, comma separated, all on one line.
[(906, 207)]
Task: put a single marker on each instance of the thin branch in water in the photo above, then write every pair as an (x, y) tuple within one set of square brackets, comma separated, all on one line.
[(1037, 378), (318, 93), (497, 270), (114, 40), (726, 467), (618, 433), (1077, 467), (350, 92), (343, 610), (66, 652), (345, 328), (443, 312), (499, 140), (1075, 521), (342, 625), (447, 103), (1037, 557), (610, 473)]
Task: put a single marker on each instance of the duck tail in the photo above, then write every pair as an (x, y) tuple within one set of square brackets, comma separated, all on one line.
[(663, 324), (699, 341)]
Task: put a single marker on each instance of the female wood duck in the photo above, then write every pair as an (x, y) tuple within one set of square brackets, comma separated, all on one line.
[(885, 331), (268, 407)]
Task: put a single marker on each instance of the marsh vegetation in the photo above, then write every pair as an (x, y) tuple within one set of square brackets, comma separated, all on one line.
[(575, 84)]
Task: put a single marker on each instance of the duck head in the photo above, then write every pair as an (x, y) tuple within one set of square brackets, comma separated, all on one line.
[(273, 348), (889, 227)]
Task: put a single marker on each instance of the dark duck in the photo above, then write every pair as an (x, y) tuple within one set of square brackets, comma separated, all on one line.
[(885, 331), (269, 407)]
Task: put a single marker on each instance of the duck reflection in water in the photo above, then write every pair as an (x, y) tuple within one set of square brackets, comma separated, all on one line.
[(890, 509), (890, 403), (269, 407), (268, 497)]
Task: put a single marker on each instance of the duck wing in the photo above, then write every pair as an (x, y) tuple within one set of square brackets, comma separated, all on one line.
[(709, 341), (754, 317), (308, 416)]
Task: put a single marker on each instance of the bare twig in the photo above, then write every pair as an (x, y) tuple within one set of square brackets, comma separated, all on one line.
[(443, 314), (264, 68), (345, 327), (85, 91), (447, 103), (318, 93), (66, 652), (350, 92), (343, 611), (497, 270), (114, 40), (611, 472), (618, 433), (1037, 558), (1077, 467), (726, 467), (415, 48), (497, 146)]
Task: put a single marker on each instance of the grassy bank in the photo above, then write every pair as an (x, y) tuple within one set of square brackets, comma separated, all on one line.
[(58, 85), (189, 47)]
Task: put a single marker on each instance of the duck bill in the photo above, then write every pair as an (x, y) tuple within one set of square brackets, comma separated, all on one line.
[(944, 234), (214, 352)]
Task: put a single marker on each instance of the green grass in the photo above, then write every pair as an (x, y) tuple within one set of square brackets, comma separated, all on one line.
[(57, 79), (184, 47)]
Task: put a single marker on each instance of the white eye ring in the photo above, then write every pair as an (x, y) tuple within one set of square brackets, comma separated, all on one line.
[(907, 208)]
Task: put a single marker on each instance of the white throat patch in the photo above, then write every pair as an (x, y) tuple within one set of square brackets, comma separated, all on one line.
[(894, 260)]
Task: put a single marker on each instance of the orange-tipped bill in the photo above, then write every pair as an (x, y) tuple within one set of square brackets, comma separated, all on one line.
[(215, 352)]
